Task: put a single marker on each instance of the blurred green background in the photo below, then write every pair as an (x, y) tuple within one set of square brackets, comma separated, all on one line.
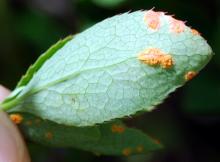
[(187, 123)]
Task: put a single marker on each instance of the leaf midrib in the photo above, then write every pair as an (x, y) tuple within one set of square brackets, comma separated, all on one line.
[(75, 74)]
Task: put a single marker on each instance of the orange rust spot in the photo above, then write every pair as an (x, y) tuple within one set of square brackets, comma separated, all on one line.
[(126, 151), (16, 118), (155, 140), (49, 135), (117, 128), (152, 19), (195, 32), (166, 61), (176, 26), (140, 149), (190, 75), (154, 56), (28, 122)]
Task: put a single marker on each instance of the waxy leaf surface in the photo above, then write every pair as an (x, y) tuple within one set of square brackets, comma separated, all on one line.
[(120, 66)]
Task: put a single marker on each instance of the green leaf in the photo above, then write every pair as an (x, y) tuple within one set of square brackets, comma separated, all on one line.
[(116, 141), (110, 139), (50, 133), (120, 66)]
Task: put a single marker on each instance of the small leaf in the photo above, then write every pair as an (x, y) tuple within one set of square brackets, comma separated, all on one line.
[(110, 139), (123, 141), (118, 67)]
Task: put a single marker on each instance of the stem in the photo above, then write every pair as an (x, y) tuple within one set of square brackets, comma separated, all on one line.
[(6, 106), (12, 100)]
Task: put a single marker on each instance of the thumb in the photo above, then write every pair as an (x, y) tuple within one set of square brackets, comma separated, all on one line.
[(12, 147)]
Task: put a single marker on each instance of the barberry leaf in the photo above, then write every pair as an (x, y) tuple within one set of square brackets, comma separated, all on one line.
[(118, 67), (112, 138)]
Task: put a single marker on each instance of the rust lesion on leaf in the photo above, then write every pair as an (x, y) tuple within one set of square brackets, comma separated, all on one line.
[(152, 19), (127, 151), (190, 75), (139, 148), (176, 26), (154, 57), (116, 128), (195, 32), (16, 118), (155, 140), (48, 135)]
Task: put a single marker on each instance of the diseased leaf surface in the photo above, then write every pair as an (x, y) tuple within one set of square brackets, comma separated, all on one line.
[(99, 75), (50, 133), (110, 139), (119, 142)]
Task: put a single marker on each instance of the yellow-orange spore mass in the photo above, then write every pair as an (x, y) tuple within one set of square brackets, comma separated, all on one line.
[(140, 149), (190, 75), (16, 118), (195, 32), (176, 26), (117, 128), (48, 135), (155, 56), (126, 151), (166, 61), (152, 19)]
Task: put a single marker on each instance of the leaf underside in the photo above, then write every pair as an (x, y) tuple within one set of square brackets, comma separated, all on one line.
[(99, 75)]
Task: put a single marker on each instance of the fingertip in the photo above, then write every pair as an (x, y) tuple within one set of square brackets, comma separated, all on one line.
[(3, 92), (12, 146)]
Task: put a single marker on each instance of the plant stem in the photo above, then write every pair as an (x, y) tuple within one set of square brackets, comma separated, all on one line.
[(8, 105)]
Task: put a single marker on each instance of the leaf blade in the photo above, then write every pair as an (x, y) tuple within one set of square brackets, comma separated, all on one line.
[(86, 83), (109, 139)]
